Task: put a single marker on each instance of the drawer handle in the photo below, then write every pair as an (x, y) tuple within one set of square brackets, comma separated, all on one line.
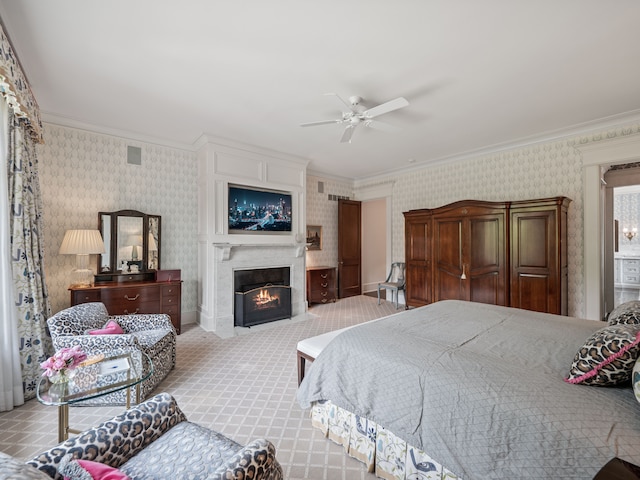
[(170, 290), (324, 294), (131, 299), (170, 300), (126, 312), (324, 285), (325, 275)]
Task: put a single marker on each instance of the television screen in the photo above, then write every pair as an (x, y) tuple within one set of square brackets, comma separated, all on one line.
[(253, 210)]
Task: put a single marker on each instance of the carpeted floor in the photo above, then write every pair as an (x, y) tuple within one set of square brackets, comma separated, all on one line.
[(243, 386)]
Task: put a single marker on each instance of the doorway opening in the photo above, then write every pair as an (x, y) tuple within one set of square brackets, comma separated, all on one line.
[(621, 240)]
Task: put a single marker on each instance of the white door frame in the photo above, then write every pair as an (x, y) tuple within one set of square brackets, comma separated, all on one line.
[(596, 157)]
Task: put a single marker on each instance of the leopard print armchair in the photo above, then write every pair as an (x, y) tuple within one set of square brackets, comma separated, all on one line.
[(155, 440), (152, 334)]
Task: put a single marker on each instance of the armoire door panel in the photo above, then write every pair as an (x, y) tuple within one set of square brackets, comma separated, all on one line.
[(417, 275), (418, 244), (449, 286), (534, 292), (486, 289), (449, 243), (486, 246), (534, 251), (418, 253)]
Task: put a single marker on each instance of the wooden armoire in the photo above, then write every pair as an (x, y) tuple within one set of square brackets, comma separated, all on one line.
[(502, 253)]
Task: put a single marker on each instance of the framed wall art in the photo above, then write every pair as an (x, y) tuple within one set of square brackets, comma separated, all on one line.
[(314, 237)]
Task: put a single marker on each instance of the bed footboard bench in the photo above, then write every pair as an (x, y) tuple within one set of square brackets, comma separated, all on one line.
[(310, 348)]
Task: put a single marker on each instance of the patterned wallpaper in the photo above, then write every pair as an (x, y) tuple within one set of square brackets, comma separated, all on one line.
[(535, 171), (626, 209), (82, 173), (324, 212)]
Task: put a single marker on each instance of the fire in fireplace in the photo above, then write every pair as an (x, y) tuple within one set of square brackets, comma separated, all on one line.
[(261, 295)]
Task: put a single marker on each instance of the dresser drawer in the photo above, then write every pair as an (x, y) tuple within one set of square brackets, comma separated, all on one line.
[(84, 296), (318, 277), (132, 308), (132, 294), (322, 296), (170, 290)]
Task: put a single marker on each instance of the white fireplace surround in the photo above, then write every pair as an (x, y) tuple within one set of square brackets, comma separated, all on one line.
[(229, 258), (220, 253)]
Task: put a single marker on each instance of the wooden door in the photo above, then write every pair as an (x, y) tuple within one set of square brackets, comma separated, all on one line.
[(349, 248), (417, 258), (449, 281), (469, 253), (539, 269), (486, 259)]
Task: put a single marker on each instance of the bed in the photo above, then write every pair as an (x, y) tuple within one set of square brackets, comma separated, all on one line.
[(465, 390)]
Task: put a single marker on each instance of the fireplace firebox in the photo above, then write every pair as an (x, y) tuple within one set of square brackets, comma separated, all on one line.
[(261, 295)]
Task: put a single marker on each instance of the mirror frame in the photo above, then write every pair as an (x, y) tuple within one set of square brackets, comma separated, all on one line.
[(149, 223)]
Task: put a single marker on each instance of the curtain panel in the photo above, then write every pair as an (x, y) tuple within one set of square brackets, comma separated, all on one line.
[(11, 385), (32, 302)]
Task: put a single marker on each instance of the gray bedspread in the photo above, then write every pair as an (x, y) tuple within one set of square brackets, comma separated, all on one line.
[(480, 389)]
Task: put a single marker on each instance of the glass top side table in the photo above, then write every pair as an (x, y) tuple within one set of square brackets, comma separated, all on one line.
[(97, 376)]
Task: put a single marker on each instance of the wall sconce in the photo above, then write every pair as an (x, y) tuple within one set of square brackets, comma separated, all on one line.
[(82, 243), (629, 233)]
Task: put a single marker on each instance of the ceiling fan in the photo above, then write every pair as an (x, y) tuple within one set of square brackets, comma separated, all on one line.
[(358, 114)]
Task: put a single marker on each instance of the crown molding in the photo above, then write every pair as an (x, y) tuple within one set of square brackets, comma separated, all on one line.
[(587, 128), (100, 129)]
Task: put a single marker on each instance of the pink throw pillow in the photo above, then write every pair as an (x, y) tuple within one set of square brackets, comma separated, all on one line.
[(99, 471), (111, 328)]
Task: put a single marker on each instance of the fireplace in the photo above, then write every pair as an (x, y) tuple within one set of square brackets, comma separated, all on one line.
[(261, 295)]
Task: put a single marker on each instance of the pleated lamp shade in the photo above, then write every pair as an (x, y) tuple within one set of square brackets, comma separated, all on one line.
[(82, 243)]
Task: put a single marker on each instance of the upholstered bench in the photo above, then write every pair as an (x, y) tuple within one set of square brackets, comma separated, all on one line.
[(310, 348)]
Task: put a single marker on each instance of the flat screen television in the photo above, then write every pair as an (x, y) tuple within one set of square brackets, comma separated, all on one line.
[(259, 210)]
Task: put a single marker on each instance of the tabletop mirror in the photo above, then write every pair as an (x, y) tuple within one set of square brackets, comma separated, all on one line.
[(131, 242)]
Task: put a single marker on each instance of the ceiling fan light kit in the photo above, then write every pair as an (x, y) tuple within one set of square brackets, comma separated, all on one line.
[(356, 115)]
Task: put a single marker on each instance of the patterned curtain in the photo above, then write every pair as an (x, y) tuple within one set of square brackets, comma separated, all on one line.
[(32, 302)]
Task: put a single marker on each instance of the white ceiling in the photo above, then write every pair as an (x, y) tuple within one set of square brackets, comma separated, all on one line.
[(479, 75)]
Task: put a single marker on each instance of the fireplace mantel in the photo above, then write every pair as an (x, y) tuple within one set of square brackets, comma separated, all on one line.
[(224, 250), (226, 258)]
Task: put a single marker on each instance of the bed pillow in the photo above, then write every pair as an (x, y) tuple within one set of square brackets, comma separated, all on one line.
[(72, 469), (111, 328), (627, 313), (635, 379), (607, 357)]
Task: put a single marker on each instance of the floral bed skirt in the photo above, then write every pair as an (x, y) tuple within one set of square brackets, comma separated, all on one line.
[(385, 454)]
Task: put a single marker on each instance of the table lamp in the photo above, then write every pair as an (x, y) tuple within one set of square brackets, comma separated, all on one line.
[(82, 243)]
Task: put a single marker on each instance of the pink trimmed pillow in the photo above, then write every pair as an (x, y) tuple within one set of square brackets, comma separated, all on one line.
[(73, 469), (607, 357), (111, 328)]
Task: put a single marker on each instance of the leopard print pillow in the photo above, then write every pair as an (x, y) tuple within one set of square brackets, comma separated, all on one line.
[(628, 313), (607, 357)]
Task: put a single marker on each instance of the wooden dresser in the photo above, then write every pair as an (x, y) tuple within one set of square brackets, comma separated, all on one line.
[(129, 297), (321, 284)]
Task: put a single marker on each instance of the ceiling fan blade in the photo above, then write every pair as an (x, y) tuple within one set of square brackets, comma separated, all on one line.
[(378, 125), (342, 100), (321, 122), (346, 135), (386, 107)]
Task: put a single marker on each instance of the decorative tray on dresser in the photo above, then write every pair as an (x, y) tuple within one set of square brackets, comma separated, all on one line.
[(137, 293), (321, 284)]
